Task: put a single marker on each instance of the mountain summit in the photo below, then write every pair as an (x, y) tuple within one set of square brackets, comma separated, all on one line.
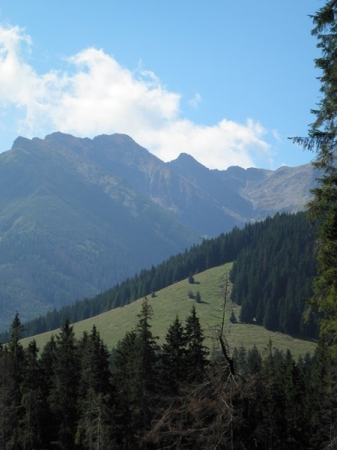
[(79, 215)]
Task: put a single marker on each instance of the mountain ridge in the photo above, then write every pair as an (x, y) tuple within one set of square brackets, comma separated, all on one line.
[(78, 215)]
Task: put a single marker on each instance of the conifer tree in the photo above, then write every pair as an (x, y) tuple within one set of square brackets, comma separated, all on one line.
[(95, 403), (147, 374), (148, 348), (64, 389), (136, 377), (254, 360), (33, 402), (16, 368), (173, 357), (322, 138), (47, 363), (125, 379), (196, 352)]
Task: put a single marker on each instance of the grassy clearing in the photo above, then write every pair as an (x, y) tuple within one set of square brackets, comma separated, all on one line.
[(174, 300)]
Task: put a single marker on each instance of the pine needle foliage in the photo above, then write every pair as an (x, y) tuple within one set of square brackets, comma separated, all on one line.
[(322, 138)]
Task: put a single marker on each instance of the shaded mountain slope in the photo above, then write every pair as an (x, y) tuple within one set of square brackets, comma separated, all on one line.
[(68, 229), (78, 215)]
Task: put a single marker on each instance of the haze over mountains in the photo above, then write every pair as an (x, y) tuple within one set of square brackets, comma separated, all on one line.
[(79, 215)]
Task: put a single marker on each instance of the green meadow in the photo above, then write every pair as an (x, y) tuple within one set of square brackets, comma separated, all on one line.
[(175, 301)]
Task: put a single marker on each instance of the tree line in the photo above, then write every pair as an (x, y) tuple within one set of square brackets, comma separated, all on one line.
[(74, 394)]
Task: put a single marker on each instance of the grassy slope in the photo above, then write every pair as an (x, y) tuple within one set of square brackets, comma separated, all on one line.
[(173, 301)]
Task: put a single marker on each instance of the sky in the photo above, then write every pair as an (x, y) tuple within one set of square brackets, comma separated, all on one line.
[(226, 81)]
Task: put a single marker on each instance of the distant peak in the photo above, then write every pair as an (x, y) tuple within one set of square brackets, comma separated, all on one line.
[(19, 141), (116, 137), (184, 159), (58, 134)]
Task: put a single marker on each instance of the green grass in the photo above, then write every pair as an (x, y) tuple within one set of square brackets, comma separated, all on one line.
[(173, 301)]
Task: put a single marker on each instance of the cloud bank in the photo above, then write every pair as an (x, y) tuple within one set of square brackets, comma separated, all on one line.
[(95, 95)]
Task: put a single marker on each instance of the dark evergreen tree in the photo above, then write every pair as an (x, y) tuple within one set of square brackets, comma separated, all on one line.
[(254, 360), (322, 138), (173, 357), (47, 363), (125, 379), (33, 402), (64, 389), (239, 357), (196, 352), (191, 278), (95, 399), (147, 347), (323, 399), (136, 377), (16, 369)]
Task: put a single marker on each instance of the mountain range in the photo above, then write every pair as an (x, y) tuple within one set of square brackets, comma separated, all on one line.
[(79, 215)]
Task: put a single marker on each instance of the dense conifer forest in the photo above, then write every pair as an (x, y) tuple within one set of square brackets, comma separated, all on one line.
[(272, 277), (74, 394), (273, 256)]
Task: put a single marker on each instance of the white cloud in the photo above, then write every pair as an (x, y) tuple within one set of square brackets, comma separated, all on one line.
[(98, 96), (194, 102)]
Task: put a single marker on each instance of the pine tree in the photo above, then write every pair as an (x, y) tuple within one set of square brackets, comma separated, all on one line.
[(136, 377), (33, 402), (125, 379), (95, 402), (254, 360), (322, 137), (47, 363), (174, 357), (148, 349), (64, 389), (147, 376), (16, 368), (323, 399), (196, 352)]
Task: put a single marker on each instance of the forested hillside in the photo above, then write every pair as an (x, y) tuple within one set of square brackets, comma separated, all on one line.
[(74, 395), (272, 276), (276, 238)]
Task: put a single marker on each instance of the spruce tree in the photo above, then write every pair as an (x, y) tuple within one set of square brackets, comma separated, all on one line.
[(64, 389), (147, 358), (33, 402), (125, 379), (95, 402), (16, 368), (196, 352), (322, 138), (136, 377), (148, 348), (173, 357)]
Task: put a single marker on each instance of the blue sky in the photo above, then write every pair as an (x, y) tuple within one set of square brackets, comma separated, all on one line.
[(225, 81)]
